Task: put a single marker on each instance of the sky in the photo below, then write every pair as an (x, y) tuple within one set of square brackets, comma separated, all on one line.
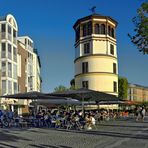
[(50, 24)]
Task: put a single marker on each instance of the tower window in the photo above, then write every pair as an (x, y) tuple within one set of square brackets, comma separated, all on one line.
[(87, 29), (84, 67), (111, 49), (112, 33), (97, 29), (109, 31), (85, 84), (114, 68), (115, 86), (77, 33), (102, 29), (86, 48)]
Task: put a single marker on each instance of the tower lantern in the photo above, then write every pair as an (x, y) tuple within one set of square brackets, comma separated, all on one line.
[(96, 63)]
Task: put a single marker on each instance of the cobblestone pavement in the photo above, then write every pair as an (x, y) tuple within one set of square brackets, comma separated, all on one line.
[(125, 133)]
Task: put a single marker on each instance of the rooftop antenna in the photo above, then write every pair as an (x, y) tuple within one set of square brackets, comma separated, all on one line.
[(93, 9)]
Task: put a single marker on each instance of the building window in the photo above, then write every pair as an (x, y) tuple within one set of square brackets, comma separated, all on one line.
[(3, 50), (87, 29), (3, 69), (77, 33), (14, 54), (86, 48), (97, 29), (9, 70), (112, 33), (114, 68), (14, 33), (25, 41), (109, 31), (115, 86), (9, 87), (85, 67), (102, 29), (14, 37), (15, 87), (3, 87), (14, 71), (9, 33), (9, 29), (111, 49), (3, 27), (9, 52), (85, 84)]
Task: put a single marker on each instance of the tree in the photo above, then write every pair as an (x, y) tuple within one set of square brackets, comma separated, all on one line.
[(122, 87), (140, 39), (60, 88)]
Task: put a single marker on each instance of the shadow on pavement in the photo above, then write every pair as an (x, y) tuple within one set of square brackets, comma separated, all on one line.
[(48, 146), (7, 136), (116, 125), (111, 134), (7, 145)]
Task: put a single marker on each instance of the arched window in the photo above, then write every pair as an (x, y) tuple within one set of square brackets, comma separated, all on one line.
[(97, 29), (102, 29), (113, 33), (87, 29), (109, 30)]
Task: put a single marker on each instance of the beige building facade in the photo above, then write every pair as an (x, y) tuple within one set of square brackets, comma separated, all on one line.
[(96, 62), (137, 93)]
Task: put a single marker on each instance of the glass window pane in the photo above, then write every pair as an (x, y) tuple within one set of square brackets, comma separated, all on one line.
[(15, 87), (14, 54), (3, 69), (9, 69), (3, 50), (9, 87), (3, 27), (14, 71), (3, 87), (9, 52)]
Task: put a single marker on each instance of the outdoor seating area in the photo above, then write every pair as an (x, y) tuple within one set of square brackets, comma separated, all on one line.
[(69, 112), (61, 119)]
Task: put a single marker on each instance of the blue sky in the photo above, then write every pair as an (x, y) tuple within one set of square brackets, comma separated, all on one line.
[(49, 23)]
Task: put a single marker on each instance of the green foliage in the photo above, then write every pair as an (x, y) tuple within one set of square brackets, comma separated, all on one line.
[(60, 88), (140, 39), (122, 87)]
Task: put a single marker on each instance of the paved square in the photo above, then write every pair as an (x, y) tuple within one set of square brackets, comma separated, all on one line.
[(124, 133)]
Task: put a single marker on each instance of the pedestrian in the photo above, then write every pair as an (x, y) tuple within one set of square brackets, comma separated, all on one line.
[(143, 113), (139, 116)]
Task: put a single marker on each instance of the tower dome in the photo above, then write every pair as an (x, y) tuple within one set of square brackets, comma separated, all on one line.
[(96, 63)]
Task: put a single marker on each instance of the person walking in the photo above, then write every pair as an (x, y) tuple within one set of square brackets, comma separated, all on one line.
[(143, 111)]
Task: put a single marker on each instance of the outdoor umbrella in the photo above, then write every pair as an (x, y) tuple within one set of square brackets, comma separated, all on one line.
[(86, 94), (66, 101), (30, 95)]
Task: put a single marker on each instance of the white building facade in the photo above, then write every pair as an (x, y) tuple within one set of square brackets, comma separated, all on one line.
[(19, 62)]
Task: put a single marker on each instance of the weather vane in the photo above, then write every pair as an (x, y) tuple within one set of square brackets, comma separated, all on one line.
[(93, 9)]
